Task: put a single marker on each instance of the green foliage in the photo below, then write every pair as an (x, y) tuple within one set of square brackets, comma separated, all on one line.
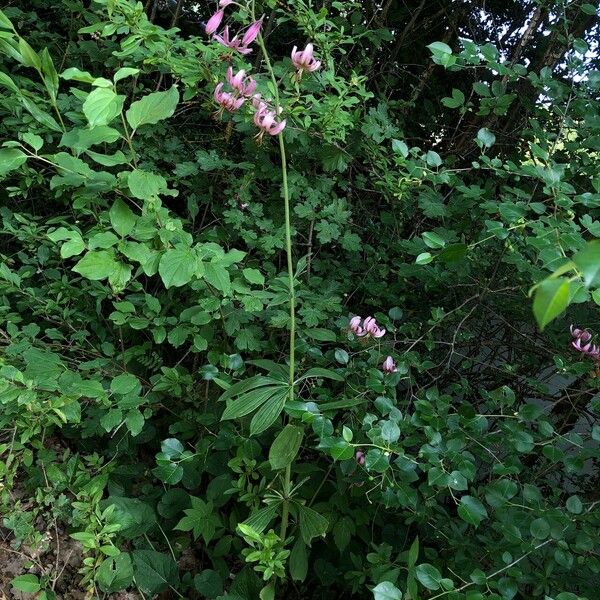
[(180, 392)]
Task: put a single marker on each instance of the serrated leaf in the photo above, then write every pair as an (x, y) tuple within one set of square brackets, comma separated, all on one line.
[(312, 524), (177, 267), (154, 571)]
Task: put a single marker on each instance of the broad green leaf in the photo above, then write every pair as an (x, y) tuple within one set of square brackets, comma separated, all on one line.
[(248, 384), (298, 562), (30, 57), (27, 583), (471, 510), (440, 48), (145, 185), (486, 138), (124, 384), (386, 590), (321, 373), (152, 108), (268, 413), (49, 73), (424, 258), (115, 573), (81, 139), (134, 516), (200, 520), (588, 262), (96, 265), (413, 553), (154, 571), (550, 300), (75, 74), (177, 267), (248, 402), (124, 72), (540, 528), (312, 524), (574, 505), (102, 105), (10, 159), (254, 276), (5, 22), (285, 446), (260, 519), (122, 218), (208, 583), (428, 576), (218, 276), (433, 240)]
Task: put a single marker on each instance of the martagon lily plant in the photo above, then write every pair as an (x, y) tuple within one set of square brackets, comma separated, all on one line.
[(241, 90)]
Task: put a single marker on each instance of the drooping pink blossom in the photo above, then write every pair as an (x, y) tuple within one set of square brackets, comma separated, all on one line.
[(266, 121), (304, 60), (252, 32), (389, 366), (245, 86), (371, 328), (582, 343), (359, 457), (213, 23), (582, 334), (224, 3), (234, 43), (227, 100), (368, 327), (355, 326)]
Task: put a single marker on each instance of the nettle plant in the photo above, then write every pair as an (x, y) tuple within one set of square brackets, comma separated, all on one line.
[(221, 422)]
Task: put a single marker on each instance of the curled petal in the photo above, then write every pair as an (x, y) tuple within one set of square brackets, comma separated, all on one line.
[(378, 333)]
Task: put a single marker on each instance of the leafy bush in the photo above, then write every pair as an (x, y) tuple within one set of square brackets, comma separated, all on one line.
[(188, 386)]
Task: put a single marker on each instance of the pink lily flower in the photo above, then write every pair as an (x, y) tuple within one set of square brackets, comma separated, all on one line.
[(304, 60), (389, 366), (266, 121), (359, 457), (252, 32), (226, 100), (214, 22), (582, 334), (224, 3), (355, 326), (582, 343), (245, 86), (372, 329), (233, 43)]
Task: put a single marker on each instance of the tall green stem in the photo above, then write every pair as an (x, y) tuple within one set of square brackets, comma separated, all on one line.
[(290, 270)]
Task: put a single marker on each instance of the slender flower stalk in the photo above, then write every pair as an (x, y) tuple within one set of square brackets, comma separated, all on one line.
[(290, 270)]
